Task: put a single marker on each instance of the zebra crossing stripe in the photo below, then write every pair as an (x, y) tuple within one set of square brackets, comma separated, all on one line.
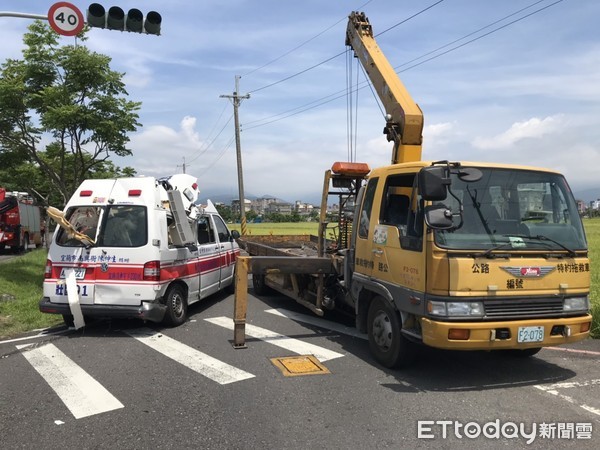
[(311, 320), (80, 393), (280, 340), (199, 362)]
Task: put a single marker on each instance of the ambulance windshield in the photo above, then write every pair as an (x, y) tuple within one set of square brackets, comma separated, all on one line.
[(106, 226)]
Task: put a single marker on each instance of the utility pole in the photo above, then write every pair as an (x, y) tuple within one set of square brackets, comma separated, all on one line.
[(236, 100), (183, 166)]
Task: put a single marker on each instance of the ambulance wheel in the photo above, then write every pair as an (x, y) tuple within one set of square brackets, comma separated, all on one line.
[(386, 342), (176, 302), (230, 288)]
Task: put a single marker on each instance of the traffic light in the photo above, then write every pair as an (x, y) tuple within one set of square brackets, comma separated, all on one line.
[(116, 19)]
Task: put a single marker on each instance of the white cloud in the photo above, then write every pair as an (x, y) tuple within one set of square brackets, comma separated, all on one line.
[(532, 128), (160, 150)]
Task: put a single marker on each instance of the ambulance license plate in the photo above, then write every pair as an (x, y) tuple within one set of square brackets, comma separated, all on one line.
[(530, 334), (79, 272)]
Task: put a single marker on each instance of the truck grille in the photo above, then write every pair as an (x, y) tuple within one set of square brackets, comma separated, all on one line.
[(524, 307)]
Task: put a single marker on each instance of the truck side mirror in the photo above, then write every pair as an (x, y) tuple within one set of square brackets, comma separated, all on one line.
[(432, 183), (235, 234), (438, 217)]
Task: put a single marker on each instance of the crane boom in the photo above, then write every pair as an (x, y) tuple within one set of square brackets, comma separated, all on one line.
[(404, 117)]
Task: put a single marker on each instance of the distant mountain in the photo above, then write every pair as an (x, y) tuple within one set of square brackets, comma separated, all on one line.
[(227, 198)]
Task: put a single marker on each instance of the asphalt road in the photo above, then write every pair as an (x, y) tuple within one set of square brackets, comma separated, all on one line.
[(129, 385)]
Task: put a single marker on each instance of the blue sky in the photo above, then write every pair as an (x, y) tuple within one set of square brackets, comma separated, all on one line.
[(528, 93)]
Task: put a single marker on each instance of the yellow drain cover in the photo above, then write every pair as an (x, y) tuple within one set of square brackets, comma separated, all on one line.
[(293, 366)]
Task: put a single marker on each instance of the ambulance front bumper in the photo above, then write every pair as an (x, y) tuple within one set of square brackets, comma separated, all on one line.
[(150, 311)]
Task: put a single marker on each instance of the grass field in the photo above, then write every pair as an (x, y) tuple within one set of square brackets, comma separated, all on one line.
[(21, 280), (260, 229)]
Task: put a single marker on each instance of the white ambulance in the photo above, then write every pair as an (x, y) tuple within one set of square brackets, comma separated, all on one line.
[(136, 247)]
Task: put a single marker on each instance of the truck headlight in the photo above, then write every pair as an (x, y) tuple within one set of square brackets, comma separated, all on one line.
[(455, 309), (576, 304)]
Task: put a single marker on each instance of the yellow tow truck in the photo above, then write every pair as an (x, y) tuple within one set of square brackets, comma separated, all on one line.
[(453, 255)]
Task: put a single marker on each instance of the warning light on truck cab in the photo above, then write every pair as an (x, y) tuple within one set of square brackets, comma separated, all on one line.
[(85, 193), (135, 192), (349, 168)]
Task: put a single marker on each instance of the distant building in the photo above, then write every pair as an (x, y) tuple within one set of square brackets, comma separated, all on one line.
[(279, 208), (304, 209), (261, 204), (235, 206)]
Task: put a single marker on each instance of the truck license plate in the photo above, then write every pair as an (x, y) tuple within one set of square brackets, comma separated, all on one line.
[(530, 334), (79, 272)]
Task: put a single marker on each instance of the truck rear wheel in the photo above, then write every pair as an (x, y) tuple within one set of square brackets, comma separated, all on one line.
[(386, 342), (176, 302), (258, 283)]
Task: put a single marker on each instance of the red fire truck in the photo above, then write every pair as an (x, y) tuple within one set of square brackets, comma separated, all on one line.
[(20, 221)]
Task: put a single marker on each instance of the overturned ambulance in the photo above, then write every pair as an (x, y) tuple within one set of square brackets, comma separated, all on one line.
[(138, 248)]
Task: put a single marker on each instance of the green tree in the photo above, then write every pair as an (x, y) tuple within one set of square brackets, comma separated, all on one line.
[(225, 212), (64, 114)]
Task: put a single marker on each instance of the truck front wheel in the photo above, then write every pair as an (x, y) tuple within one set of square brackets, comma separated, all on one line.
[(386, 342), (176, 302)]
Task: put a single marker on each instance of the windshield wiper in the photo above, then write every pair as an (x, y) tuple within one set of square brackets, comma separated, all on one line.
[(541, 237), (488, 253)]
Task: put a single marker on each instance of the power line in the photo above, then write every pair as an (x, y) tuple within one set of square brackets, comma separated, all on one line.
[(339, 94), (302, 44), (470, 34), (479, 37), (223, 151), (409, 18), (339, 54), (207, 147)]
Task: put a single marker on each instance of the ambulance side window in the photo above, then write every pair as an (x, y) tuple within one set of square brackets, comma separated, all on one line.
[(222, 230), (206, 234)]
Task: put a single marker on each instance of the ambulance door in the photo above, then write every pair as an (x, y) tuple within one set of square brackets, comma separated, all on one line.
[(226, 250), (208, 256)]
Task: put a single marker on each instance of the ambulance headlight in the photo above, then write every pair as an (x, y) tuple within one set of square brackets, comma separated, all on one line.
[(576, 304)]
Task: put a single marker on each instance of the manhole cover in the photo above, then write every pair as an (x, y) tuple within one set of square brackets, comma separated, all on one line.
[(293, 366)]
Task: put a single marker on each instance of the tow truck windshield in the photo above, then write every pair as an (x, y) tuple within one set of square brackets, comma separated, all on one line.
[(513, 210)]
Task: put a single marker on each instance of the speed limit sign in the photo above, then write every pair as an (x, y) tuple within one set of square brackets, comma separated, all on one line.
[(65, 19)]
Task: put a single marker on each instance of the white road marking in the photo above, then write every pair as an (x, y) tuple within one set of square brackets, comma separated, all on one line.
[(81, 393), (572, 350), (280, 340), (318, 322), (36, 336), (202, 363), (553, 389)]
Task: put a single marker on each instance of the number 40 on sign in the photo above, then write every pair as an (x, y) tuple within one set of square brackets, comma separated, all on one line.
[(66, 19)]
